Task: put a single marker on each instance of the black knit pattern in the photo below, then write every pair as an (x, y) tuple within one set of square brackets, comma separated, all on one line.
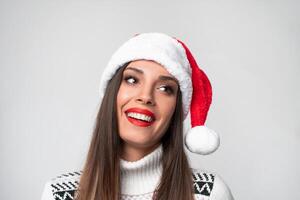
[(64, 187), (203, 183)]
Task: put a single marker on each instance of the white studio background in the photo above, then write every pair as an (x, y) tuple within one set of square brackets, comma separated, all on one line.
[(52, 54)]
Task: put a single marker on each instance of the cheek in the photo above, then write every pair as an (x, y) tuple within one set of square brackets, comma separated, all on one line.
[(122, 97), (167, 107)]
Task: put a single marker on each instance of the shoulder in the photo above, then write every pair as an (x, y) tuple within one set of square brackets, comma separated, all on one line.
[(210, 186), (63, 186), (206, 186)]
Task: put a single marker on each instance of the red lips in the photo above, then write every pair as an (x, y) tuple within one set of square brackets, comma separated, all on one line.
[(138, 122)]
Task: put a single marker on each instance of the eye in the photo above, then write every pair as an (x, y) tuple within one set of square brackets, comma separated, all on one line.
[(130, 79), (168, 89)]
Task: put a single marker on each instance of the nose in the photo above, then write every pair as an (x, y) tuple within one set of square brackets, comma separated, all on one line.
[(145, 97)]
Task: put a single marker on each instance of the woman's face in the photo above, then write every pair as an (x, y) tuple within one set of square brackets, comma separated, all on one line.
[(145, 103)]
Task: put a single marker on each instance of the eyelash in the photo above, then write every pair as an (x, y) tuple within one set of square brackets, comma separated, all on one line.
[(169, 89)]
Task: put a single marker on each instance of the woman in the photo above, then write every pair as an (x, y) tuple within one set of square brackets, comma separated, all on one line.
[(137, 150)]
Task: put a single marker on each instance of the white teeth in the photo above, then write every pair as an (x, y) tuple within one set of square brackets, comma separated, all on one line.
[(140, 116)]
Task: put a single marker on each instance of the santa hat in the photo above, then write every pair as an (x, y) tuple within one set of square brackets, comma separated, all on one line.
[(194, 85)]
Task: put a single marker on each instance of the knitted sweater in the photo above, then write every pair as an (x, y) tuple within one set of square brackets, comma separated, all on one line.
[(139, 180)]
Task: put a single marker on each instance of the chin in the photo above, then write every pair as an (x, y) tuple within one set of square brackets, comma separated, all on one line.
[(137, 141)]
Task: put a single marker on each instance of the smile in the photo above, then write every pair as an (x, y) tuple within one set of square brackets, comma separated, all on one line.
[(140, 117)]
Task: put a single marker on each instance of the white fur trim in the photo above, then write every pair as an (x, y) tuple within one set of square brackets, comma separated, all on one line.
[(202, 140), (158, 47)]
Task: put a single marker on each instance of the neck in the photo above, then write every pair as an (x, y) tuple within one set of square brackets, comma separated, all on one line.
[(141, 176), (134, 153)]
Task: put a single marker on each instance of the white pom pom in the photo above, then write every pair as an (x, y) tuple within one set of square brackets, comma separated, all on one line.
[(202, 140)]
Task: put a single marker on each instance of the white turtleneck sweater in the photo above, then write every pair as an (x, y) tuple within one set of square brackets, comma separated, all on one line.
[(139, 180)]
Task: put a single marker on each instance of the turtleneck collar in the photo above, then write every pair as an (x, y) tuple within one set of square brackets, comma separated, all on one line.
[(141, 176)]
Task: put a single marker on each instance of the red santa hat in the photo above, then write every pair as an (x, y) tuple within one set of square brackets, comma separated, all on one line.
[(194, 85)]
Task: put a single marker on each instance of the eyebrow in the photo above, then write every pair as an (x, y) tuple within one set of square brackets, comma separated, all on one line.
[(161, 77)]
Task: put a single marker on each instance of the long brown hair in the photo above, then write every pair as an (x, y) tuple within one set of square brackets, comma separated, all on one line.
[(100, 178)]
